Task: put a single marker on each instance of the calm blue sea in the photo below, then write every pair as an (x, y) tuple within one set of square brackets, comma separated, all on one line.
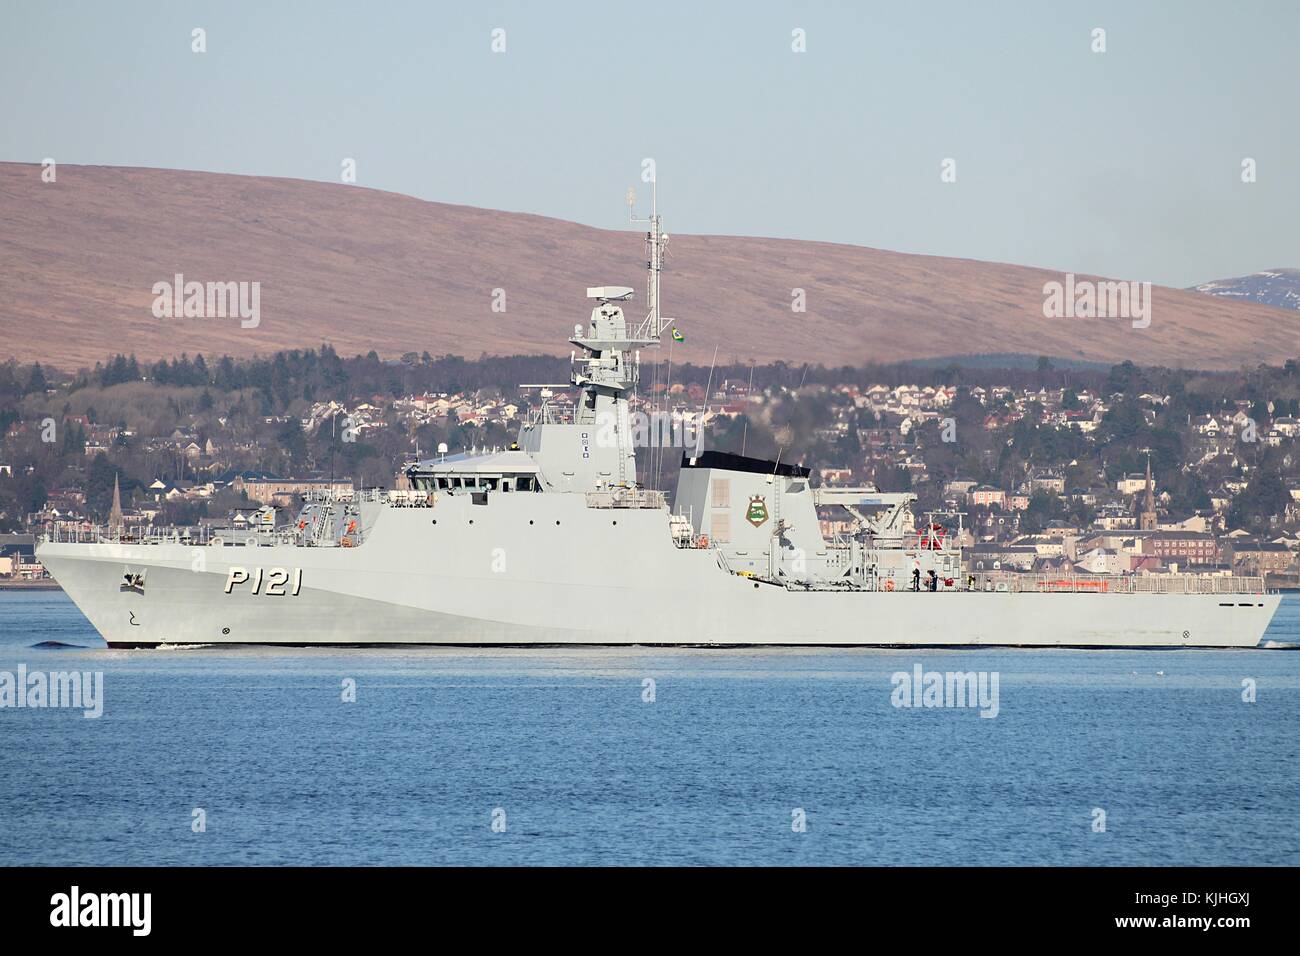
[(563, 748)]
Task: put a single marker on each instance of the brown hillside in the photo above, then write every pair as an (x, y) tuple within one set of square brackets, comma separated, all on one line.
[(364, 269)]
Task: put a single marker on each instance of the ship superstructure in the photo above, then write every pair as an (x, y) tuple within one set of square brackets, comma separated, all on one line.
[(557, 540)]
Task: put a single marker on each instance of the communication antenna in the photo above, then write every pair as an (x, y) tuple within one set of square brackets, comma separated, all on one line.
[(748, 401), (704, 410)]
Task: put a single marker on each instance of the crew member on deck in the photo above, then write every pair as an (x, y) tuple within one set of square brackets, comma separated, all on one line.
[(916, 579)]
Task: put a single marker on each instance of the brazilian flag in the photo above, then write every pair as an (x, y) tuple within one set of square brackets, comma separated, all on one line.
[(677, 336)]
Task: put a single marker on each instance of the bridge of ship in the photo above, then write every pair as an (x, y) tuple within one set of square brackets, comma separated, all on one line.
[(504, 471)]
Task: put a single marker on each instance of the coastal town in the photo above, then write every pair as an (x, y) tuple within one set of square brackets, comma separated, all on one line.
[(1119, 471)]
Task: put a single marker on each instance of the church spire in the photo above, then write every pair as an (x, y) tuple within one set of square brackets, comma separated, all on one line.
[(1147, 519), (115, 516)]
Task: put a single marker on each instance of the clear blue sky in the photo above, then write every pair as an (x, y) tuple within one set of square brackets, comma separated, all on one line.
[(1125, 163)]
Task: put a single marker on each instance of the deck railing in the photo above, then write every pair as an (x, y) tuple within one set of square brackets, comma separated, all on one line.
[(1117, 583), (626, 498), (401, 497), (198, 537), (97, 534)]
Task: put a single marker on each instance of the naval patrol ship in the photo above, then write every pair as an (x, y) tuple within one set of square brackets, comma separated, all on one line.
[(558, 540)]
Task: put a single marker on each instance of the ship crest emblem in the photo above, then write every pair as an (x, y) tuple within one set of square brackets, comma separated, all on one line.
[(132, 581), (756, 514)]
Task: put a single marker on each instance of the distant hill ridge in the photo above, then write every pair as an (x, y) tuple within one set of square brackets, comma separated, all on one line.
[(364, 269), (1276, 287)]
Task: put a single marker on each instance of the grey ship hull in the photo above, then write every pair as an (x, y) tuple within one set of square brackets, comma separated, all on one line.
[(545, 570)]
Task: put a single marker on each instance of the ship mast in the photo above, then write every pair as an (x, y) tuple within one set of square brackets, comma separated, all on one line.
[(652, 328)]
